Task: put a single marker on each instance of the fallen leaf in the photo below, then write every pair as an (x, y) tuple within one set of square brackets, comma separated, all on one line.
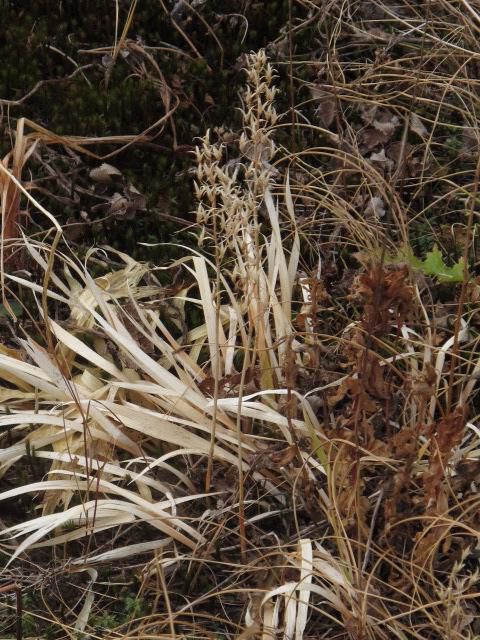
[(117, 205), (104, 173), (370, 138), (327, 106), (136, 201), (386, 122), (417, 126), (403, 154), (375, 208), (382, 159)]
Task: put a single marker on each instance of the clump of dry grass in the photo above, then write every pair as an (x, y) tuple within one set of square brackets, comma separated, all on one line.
[(283, 442), (97, 410)]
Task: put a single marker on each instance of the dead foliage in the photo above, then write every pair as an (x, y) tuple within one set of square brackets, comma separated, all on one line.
[(279, 438)]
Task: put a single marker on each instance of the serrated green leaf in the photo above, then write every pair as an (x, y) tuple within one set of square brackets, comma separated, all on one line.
[(434, 265)]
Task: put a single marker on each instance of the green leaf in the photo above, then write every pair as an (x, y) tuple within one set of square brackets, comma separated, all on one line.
[(405, 256), (434, 265), (15, 306)]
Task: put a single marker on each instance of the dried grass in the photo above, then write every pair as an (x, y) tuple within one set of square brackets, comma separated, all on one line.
[(300, 454)]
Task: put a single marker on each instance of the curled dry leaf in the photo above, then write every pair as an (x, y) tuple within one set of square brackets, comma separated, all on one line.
[(136, 201), (405, 160), (370, 138), (117, 205), (123, 205), (386, 122), (381, 159), (417, 126), (381, 125), (375, 208), (104, 173)]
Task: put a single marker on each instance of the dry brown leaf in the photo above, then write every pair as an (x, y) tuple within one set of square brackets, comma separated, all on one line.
[(327, 105), (136, 201), (370, 138), (403, 154), (381, 125), (117, 205), (381, 158), (385, 296)]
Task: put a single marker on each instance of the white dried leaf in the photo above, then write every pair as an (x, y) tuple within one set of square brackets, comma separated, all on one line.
[(417, 126), (104, 173), (375, 208), (386, 126), (382, 159), (118, 204)]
